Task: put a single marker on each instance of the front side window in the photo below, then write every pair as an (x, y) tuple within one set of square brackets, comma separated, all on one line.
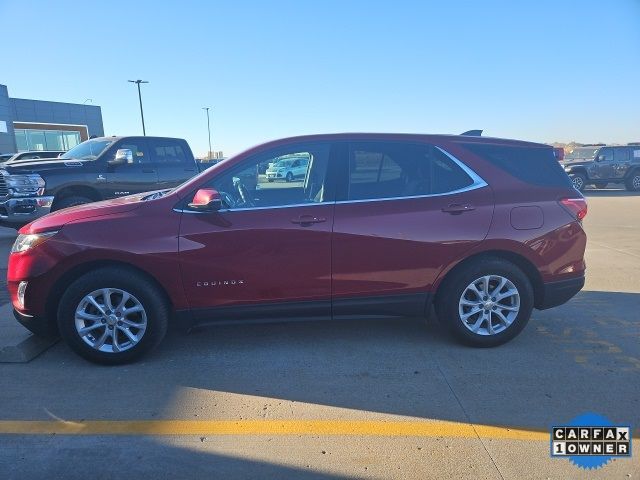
[(393, 170), (292, 175), (605, 155)]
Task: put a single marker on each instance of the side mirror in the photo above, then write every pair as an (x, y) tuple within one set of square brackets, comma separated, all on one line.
[(206, 200), (600, 158), (123, 155)]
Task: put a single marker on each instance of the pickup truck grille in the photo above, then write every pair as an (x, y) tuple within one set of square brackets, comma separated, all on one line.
[(4, 191)]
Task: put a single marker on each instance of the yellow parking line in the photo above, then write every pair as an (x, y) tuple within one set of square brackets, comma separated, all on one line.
[(270, 427)]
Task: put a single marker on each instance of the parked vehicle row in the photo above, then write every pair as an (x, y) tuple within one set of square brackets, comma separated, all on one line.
[(483, 229), (602, 165), (98, 169)]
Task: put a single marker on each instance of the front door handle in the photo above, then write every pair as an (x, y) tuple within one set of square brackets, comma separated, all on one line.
[(306, 220), (458, 208)]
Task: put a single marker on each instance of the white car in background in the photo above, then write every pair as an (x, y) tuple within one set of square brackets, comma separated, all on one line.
[(288, 169)]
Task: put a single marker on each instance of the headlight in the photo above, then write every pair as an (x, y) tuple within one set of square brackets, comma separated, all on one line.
[(26, 242), (25, 184)]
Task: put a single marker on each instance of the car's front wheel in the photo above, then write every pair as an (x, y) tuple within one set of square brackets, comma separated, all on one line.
[(485, 303), (112, 316)]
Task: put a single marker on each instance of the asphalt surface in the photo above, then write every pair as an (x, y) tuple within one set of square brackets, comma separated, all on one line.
[(377, 399)]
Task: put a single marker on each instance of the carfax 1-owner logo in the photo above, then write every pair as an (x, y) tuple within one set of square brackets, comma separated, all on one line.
[(591, 441)]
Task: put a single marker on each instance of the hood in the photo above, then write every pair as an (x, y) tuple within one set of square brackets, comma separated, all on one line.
[(573, 161), (37, 166), (57, 219)]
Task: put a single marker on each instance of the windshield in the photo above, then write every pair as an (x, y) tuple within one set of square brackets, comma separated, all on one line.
[(88, 150), (582, 153)]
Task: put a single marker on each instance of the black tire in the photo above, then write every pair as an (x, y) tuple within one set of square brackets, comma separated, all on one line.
[(633, 182), (270, 180), (601, 185), (451, 291), (289, 177), (579, 181), (69, 202), (136, 284)]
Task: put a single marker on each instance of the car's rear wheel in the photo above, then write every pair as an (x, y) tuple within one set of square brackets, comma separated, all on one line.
[(112, 316), (633, 182), (486, 303), (579, 181), (601, 185)]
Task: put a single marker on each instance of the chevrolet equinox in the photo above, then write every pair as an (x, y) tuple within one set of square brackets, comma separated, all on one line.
[(380, 225)]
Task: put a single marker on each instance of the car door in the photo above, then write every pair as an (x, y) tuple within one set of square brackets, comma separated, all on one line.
[(603, 165), (268, 249), (404, 212), (137, 175), (172, 160), (621, 162)]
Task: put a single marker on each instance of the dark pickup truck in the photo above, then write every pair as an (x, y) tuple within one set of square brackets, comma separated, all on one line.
[(98, 169)]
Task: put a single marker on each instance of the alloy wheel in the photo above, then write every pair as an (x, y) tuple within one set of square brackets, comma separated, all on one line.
[(578, 183), (110, 320), (489, 305)]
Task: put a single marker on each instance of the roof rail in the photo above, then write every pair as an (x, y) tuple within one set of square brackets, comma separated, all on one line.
[(472, 133), (633, 143)]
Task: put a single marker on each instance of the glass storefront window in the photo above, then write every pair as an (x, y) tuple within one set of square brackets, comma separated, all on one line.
[(36, 140), (29, 139), (53, 140), (21, 140)]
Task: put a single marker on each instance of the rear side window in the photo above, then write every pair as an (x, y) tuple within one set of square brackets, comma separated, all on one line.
[(168, 152), (395, 170), (533, 165)]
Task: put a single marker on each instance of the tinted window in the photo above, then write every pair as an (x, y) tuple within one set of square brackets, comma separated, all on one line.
[(605, 154), (169, 152), (391, 170), (138, 149), (534, 165), (621, 154), (251, 185)]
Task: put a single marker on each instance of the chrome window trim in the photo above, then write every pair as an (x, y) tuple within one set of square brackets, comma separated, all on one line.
[(478, 182), (223, 210)]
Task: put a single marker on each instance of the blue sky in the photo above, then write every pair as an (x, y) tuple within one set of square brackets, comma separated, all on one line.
[(537, 70)]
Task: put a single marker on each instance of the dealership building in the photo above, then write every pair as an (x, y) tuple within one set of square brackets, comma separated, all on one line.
[(43, 125)]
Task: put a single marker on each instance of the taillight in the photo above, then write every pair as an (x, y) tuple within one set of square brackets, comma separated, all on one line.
[(575, 206)]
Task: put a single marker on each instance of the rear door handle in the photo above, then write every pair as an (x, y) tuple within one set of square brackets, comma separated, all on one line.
[(457, 208), (306, 220)]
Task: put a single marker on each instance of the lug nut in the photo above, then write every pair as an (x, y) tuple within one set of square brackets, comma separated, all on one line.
[(110, 327), (103, 321), (119, 324)]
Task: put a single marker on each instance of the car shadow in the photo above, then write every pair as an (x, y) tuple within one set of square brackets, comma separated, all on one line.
[(583, 356), (609, 192)]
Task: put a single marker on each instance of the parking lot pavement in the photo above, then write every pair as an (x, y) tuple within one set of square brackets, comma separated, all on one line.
[(378, 399)]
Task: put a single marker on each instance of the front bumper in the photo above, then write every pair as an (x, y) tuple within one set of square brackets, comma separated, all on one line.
[(39, 326), (558, 293), (20, 211)]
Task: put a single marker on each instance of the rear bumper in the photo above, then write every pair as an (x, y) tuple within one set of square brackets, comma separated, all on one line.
[(557, 293), (37, 325)]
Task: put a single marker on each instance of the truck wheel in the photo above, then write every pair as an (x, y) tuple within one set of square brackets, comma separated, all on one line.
[(69, 202), (289, 177), (579, 181), (601, 185), (485, 303), (112, 316), (633, 182)]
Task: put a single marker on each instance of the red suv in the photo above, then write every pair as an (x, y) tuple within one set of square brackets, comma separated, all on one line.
[(381, 225)]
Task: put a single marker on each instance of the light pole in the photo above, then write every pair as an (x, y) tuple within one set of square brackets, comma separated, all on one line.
[(208, 130), (138, 82)]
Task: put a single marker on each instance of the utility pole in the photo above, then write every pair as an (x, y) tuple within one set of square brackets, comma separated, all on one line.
[(138, 82), (209, 130)]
